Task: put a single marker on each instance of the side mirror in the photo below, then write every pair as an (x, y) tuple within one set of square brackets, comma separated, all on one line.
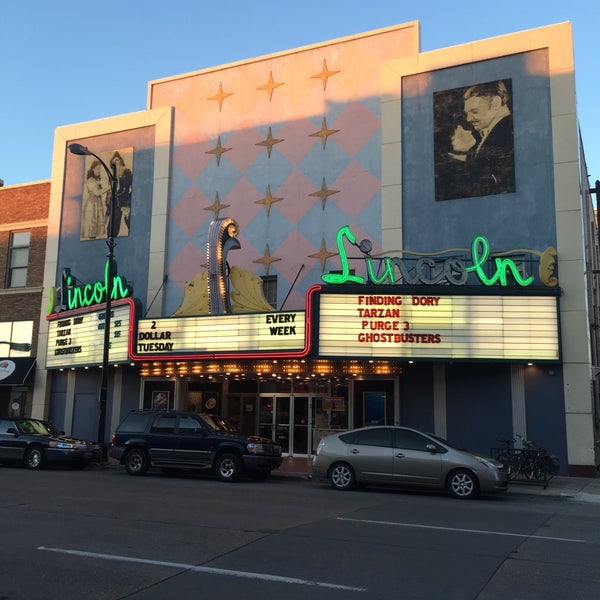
[(432, 448), (13, 431)]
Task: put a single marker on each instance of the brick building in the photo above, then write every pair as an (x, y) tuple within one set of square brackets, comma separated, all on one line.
[(23, 233)]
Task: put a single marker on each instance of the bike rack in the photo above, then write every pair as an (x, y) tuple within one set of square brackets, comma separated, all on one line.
[(532, 465)]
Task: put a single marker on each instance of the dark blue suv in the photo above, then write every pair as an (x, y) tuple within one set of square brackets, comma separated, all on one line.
[(183, 440)]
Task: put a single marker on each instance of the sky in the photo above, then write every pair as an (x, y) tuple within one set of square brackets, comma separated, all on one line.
[(67, 61)]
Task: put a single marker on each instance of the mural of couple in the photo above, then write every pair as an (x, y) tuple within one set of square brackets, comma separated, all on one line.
[(96, 205)]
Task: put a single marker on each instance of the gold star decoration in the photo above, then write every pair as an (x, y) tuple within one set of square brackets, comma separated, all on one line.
[(266, 260), (268, 200), (269, 142), (323, 255), (324, 193), (324, 75), (216, 206), (270, 86), (218, 150), (220, 96), (324, 132)]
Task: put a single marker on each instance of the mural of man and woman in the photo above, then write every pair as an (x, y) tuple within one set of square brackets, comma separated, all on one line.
[(474, 141), (96, 205)]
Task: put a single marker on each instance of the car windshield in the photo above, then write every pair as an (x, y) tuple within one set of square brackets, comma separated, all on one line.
[(31, 426), (442, 440), (217, 423), (447, 443)]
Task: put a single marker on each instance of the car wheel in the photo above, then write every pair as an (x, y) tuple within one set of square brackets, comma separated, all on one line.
[(341, 477), (228, 467), (137, 462), (463, 484), (35, 458)]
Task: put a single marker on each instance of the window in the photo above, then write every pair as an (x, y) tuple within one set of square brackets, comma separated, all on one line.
[(5, 426), (370, 437), (189, 424), (15, 339), (134, 423), (411, 440), (18, 258), (269, 286), (163, 425)]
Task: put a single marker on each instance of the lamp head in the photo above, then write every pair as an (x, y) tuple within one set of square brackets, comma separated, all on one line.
[(20, 347), (79, 149)]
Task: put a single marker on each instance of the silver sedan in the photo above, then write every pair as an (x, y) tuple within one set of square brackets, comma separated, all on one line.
[(405, 456)]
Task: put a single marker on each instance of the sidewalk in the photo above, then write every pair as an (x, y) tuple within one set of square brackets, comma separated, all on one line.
[(580, 489), (295, 465)]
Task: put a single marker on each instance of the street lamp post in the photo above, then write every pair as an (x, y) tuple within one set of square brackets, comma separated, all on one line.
[(19, 347), (110, 242)]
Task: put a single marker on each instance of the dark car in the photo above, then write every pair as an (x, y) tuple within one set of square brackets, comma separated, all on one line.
[(35, 444), (405, 456), (184, 440)]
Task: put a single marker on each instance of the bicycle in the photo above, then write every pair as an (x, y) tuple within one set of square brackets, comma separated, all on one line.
[(545, 467), (536, 463), (505, 456), (529, 462), (516, 461)]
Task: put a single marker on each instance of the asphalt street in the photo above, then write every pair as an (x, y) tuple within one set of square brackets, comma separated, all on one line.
[(103, 534)]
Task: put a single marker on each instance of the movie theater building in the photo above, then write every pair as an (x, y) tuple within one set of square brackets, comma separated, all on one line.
[(344, 234)]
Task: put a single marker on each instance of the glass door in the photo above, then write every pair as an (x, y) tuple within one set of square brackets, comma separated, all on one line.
[(265, 417), (274, 419), (302, 425), (282, 422), (288, 420)]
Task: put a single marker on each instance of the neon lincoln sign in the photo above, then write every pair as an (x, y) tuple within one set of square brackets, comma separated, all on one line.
[(71, 297), (426, 270)]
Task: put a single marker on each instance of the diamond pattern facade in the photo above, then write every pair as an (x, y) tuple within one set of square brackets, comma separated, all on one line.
[(288, 146)]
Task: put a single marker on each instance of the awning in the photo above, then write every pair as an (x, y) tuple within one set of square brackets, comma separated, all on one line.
[(14, 371)]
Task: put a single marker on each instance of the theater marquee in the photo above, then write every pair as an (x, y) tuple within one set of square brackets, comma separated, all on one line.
[(453, 327), (220, 336), (76, 338)]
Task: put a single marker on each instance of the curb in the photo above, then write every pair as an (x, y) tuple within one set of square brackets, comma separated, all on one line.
[(583, 497)]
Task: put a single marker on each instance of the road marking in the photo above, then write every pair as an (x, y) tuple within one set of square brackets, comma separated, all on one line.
[(210, 570), (480, 531)]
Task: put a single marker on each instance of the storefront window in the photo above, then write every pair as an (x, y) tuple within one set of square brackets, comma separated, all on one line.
[(159, 394), (13, 401), (331, 412), (203, 397)]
